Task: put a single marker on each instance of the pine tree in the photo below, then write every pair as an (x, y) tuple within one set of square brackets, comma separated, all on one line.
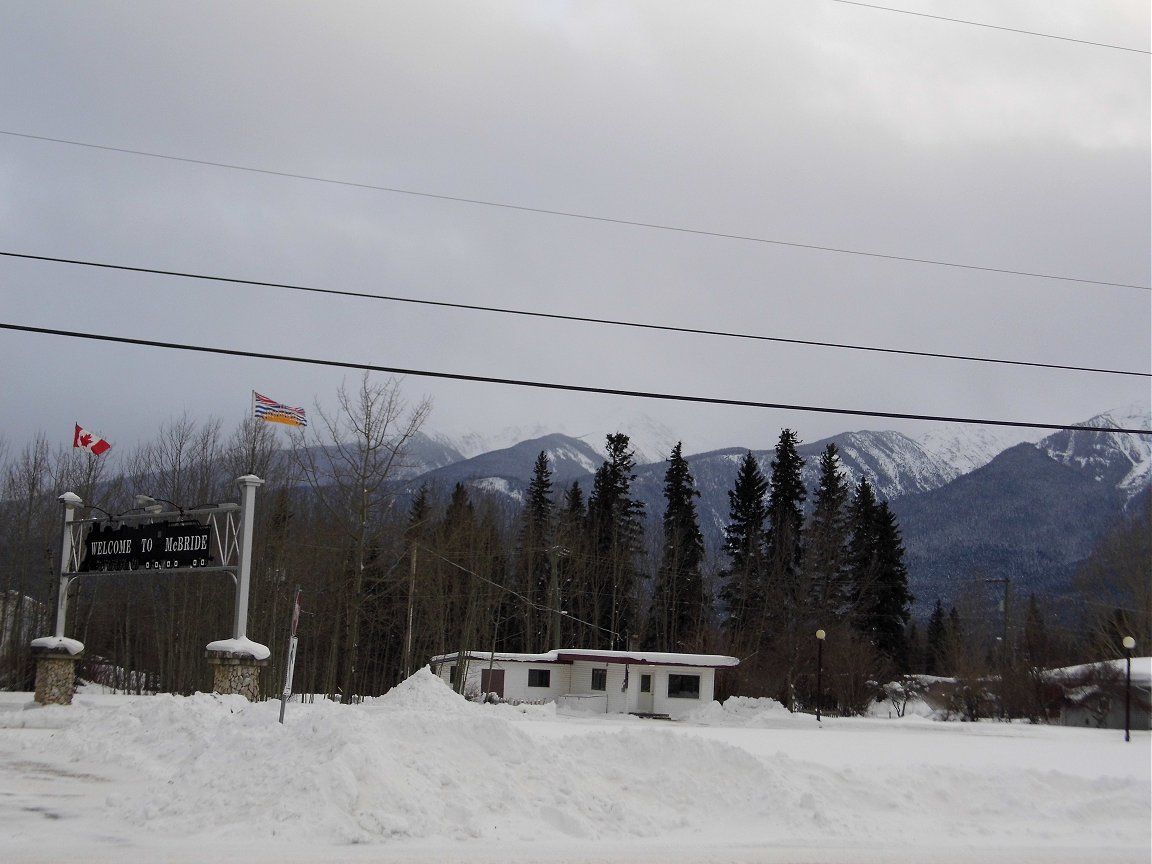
[(533, 570), (937, 641), (742, 588), (826, 542), (889, 602), (1037, 646), (881, 599), (787, 596), (616, 532), (570, 558), (786, 496), (678, 604)]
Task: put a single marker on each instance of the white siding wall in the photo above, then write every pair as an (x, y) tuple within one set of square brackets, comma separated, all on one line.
[(576, 678), (516, 682), (616, 700), (676, 707), (515, 678)]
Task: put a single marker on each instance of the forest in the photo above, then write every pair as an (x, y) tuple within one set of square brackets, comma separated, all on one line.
[(393, 573)]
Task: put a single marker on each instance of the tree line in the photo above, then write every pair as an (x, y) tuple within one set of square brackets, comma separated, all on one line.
[(392, 575)]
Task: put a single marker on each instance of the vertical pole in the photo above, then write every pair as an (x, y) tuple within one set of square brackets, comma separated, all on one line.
[(290, 663), (1006, 587), (1128, 695), (411, 603), (820, 634), (70, 501), (819, 675), (553, 602), (248, 485)]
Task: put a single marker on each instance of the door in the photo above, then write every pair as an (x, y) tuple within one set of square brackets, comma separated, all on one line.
[(492, 681), (644, 700)]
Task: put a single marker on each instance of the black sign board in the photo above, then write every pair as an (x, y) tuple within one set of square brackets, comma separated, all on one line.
[(158, 546)]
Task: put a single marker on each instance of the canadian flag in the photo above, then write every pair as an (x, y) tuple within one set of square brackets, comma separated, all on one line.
[(88, 441)]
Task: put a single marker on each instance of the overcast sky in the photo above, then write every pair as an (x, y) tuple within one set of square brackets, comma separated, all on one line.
[(806, 121)]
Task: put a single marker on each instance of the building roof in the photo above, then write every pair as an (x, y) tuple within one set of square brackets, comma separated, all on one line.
[(593, 655)]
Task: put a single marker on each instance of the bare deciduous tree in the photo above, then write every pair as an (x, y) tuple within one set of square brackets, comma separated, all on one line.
[(347, 461)]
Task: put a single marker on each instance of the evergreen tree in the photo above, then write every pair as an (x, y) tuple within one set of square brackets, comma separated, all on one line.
[(1037, 646), (573, 592), (678, 604), (826, 542), (786, 496), (742, 588), (533, 562), (937, 639), (861, 541), (787, 596), (879, 577), (615, 532), (888, 603)]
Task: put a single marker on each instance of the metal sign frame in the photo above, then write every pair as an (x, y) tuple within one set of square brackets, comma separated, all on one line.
[(231, 530)]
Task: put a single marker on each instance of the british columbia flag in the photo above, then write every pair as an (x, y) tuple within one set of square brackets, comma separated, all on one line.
[(267, 409)]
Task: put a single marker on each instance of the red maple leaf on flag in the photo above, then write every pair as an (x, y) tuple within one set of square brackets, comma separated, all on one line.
[(92, 443)]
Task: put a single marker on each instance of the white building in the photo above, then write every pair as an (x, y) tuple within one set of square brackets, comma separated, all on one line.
[(607, 682)]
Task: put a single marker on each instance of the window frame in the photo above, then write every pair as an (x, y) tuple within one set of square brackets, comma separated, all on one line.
[(677, 680), (602, 675), (536, 675)]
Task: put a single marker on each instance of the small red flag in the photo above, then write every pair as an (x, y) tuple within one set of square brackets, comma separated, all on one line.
[(88, 441)]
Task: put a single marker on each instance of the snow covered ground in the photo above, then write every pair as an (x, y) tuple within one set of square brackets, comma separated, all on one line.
[(420, 775)]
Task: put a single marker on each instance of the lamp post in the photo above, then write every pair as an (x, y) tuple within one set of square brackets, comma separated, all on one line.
[(820, 634), (1129, 643)]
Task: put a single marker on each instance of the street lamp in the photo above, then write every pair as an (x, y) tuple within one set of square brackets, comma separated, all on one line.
[(820, 634), (1129, 643)]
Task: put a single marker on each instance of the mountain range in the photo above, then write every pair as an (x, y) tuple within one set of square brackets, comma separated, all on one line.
[(974, 506)]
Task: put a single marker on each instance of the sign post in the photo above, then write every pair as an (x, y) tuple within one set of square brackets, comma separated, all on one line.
[(290, 665)]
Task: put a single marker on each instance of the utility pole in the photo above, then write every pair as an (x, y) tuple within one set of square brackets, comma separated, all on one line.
[(1004, 635), (411, 603), (554, 551)]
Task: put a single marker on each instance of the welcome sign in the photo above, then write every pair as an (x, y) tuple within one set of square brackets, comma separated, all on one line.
[(157, 546)]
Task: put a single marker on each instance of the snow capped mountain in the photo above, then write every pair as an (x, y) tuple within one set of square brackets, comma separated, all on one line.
[(1118, 458), (966, 447), (651, 440), (507, 471), (472, 444), (894, 463)]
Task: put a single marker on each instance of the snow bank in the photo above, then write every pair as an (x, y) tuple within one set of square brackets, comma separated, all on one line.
[(420, 767), (740, 711)]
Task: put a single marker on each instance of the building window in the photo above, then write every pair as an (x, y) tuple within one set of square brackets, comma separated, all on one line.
[(453, 675), (539, 677), (684, 686), (645, 683), (599, 679)]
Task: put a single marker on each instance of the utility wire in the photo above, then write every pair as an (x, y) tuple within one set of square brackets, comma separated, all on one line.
[(576, 318), (537, 606), (992, 26), (571, 388), (573, 215)]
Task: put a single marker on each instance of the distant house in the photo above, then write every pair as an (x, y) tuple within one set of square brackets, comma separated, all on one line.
[(608, 682), (1095, 695)]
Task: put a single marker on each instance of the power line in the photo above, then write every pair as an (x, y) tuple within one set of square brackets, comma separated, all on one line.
[(571, 388), (992, 26), (575, 318), (573, 215), (537, 606)]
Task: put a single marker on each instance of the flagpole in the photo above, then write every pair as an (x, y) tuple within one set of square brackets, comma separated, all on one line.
[(251, 424)]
